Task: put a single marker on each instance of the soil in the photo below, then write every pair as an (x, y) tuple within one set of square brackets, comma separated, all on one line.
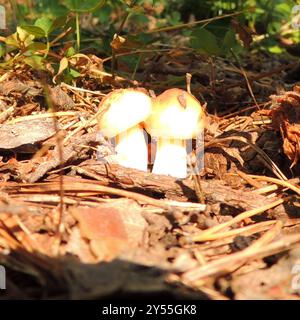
[(75, 227)]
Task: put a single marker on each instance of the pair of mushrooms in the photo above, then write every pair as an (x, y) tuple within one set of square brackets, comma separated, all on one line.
[(171, 118)]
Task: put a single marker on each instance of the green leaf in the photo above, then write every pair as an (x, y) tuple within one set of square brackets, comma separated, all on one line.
[(2, 51), (174, 18), (12, 40), (204, 41), (45, 24), (24, 36), (36, 62), (104, 14), (58, 23), (74, 73), (49, 25), (275, 49), (259, 11), (274, 27), (70, 52), (284, 8), (140, 19), (35, 46), (53, 8), (19, 39), (37, 32), (229, 41), (83, 5)]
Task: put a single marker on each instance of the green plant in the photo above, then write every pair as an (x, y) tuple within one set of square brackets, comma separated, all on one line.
[(79, 7), (43, 27), (124, 31)]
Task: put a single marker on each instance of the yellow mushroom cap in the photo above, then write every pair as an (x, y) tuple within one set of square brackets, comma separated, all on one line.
[(175, 114), (123, 109)]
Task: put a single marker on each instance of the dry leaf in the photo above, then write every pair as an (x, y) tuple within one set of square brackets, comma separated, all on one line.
[(286, 119), (111, 228), (244, 32)]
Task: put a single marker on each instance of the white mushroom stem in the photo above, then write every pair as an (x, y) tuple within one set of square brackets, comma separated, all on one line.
[(171, 158), (131, 149)]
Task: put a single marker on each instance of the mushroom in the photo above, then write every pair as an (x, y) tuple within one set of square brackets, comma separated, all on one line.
[(121, 114), (176, 116)]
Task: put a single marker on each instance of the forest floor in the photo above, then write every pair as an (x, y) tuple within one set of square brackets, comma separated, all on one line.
[(74, 227)]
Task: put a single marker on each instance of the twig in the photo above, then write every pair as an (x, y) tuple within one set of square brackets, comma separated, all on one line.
[(248, 179), (248, 230), (72, 88), (188, 77), (246, 77), (58, 137), (194, 23), (8, 112), (44, 115), (236, 219), (256, 251), (282, 183), (268, 162), (96, 188)]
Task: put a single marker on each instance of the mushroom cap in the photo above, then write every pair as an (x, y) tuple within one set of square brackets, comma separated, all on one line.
[(123, 109), (175, 114)]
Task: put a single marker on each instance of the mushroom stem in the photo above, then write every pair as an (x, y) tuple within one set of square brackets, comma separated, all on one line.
[(171, 158), (131, 149)]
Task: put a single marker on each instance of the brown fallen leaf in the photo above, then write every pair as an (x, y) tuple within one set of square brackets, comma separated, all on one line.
[(23, 136), (27, 88), (112, 228), (60, 99), (244, 32), (286, 119)]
